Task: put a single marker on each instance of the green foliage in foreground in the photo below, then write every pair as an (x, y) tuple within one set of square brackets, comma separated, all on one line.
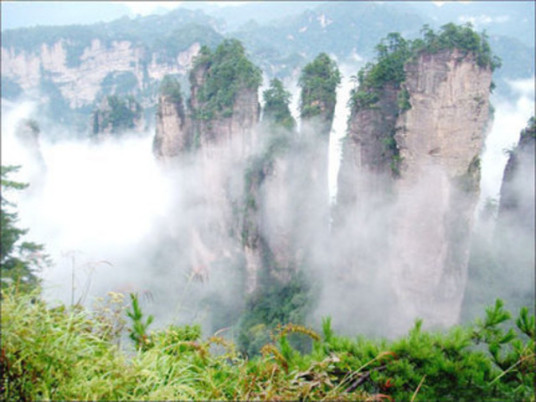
[(71, 354)]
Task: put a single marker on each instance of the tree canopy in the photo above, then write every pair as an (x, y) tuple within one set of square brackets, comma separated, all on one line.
[(393, 52), (318, 81), (171, 88), (276, 105), (228, 70)]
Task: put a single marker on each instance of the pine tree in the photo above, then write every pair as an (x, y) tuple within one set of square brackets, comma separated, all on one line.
[(19, 259)]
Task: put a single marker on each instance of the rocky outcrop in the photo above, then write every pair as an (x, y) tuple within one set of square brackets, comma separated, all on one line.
[(80, 83), (173, 130), (410, 177), (368, 154), (502, 252), (287, 209), (319, 80), (517, 191), (216, 137), (439, 139), (515, 230)]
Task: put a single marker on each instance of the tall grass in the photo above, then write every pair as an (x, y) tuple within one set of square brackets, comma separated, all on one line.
[(73, 354)]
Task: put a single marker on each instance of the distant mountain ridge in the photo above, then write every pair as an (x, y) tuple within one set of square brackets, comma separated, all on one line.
[(59, 63)]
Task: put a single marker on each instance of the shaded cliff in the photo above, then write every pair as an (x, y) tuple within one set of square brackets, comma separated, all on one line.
[(515, 231), (502, 257), (318, 82), (517, 191), (287, 181), (173, 130), (409, 177)]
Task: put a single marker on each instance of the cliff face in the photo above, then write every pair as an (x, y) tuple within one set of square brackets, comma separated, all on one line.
[(439, 140), (502, 249), (367, 154), (412, 174), (213, 142), (223, 145), (98, 66), (517, 190), (173, 129), (515, 231)]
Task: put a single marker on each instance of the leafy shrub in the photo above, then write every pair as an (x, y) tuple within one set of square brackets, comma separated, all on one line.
[(68, 354)]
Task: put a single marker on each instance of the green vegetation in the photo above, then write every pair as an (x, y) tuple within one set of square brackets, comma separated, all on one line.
[(394, 52), (19, 259), (461, 37), (179, 40), (276, 105), (170, 88), (138, 332), (403, 100), (118, 115), (226, 71), (530, 130), (318, 81), (72, 354), (275, 304)]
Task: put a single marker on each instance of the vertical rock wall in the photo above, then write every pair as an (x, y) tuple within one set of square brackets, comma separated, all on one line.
[(408, 187), (173, 129), (439, 140)]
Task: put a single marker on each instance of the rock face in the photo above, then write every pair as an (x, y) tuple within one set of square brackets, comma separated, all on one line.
[(173, 130), (517, 190), (80, 83), (412, 178), (439, 140), (287, 220), (514, 236), (367, 154), (213, 142)]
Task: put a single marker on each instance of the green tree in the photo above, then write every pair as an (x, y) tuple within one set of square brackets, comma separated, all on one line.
[(318, 81), (19, 259), (393, 52), (171, 88), (276, 105), (226, 71)]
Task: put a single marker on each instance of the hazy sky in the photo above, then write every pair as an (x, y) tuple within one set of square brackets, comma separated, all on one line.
[(17, 14)]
